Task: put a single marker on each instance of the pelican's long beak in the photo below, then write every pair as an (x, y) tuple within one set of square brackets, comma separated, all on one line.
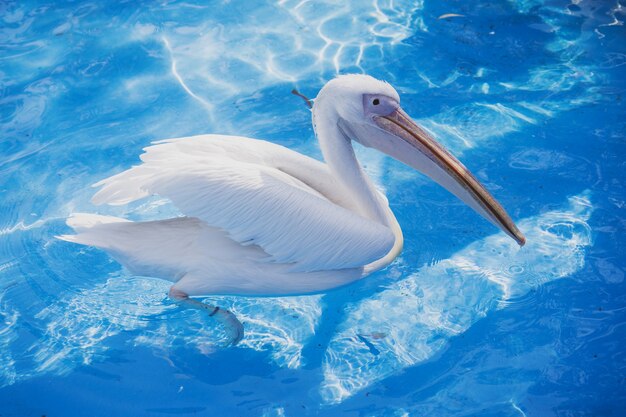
[(425, 154)]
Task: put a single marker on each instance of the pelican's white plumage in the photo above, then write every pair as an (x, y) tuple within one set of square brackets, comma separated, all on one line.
[(260, 193), (260, 219)]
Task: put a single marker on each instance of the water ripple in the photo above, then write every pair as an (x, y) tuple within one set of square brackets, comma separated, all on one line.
[(83, 87)]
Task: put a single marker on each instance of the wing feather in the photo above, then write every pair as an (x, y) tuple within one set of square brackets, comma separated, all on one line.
[(237, 185)]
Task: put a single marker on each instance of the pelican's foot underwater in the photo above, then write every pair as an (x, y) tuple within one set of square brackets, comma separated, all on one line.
[(234, 328)]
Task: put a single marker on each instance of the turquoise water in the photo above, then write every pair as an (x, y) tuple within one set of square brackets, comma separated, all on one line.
[(528, 94)]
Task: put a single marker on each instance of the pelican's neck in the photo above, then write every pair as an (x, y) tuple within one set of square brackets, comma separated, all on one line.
[(340, 158), (343, 164)]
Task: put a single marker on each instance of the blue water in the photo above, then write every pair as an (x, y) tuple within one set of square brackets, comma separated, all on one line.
[(529, 94)]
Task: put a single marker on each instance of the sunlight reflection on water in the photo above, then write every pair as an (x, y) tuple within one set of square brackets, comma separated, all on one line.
[(83, 87)]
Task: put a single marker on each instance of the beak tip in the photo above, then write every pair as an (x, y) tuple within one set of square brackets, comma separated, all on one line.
[(521, 240)]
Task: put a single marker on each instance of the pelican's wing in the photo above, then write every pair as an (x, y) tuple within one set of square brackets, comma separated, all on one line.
[(241, 186)]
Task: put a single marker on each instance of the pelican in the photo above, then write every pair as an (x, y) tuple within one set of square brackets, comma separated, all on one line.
[(263, 220)]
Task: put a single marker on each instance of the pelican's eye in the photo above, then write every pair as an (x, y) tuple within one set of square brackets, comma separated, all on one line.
[(379, 105)]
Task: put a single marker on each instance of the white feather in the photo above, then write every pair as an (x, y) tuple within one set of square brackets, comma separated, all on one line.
[(247, 195), (200, 259)]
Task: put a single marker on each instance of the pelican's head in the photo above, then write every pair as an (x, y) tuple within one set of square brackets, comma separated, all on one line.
[(368, 111)]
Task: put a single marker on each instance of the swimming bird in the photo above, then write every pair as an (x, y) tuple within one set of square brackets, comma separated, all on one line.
[(263, 220)]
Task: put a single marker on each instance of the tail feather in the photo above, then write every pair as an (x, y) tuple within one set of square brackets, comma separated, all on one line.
[(82, 223)]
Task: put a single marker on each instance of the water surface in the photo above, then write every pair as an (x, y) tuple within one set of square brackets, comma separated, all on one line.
[(529, 94)]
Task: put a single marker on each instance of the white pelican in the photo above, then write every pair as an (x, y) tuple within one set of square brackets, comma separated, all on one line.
[(263, 220)]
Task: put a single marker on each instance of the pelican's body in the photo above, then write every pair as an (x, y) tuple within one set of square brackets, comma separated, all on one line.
[(241, 195), (260, 219)]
